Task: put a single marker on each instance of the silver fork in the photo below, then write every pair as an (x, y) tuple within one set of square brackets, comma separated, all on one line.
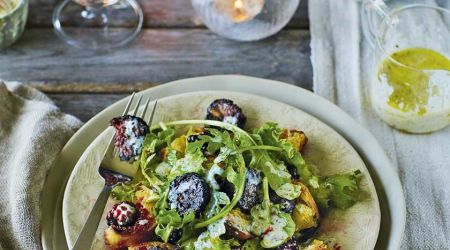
[(114, 172)]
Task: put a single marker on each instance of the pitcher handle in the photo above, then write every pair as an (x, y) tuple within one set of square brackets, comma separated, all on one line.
[(373, 13)]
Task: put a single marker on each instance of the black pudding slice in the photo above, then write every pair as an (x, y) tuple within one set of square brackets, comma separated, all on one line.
[(189, 192), (286, 205), (129, 136), (226, 111), (175, 236), (289, 245), (250, 197)]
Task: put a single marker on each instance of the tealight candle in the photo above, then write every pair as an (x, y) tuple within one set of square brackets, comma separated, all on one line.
[(245, 20), (239, 10)]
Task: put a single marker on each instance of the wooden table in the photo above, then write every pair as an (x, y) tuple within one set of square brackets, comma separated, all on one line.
[(173, 45)]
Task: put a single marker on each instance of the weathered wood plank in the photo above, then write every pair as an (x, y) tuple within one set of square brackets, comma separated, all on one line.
[(111, 88), (158, 56), (84, 106), (157, 13)]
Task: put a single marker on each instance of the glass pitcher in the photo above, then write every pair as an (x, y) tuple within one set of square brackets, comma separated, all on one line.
[(410, 89)]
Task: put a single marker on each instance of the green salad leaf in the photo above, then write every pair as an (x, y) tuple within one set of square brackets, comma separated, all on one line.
[(169, 219), (341, 190), (125, 192), (148, 172), (252, 244), (216, 204), (268, 221), (263, 150), (268, 163), (192, 162), (210, 239), (155, 140)]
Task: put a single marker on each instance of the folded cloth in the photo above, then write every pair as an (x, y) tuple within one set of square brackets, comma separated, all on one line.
[(342, 62), (32, 132)]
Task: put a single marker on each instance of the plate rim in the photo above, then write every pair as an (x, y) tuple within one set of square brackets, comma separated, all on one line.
[(384, 174)]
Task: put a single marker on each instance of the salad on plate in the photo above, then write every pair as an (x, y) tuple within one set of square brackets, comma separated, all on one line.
[(215, 184)]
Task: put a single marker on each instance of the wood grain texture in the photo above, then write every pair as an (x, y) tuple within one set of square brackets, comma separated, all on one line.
[(158, 56), (109, 88), (157, 13), (84, 106)]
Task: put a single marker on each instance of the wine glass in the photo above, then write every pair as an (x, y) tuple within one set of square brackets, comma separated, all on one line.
[(98, 24)]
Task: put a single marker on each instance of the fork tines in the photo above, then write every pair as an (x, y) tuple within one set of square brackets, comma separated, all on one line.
[(137, 106)]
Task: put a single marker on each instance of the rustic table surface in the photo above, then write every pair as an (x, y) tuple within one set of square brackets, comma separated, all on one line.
[(173, 45)]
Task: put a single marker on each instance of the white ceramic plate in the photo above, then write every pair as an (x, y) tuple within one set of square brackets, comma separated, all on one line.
[(386, 180), (354, 228)]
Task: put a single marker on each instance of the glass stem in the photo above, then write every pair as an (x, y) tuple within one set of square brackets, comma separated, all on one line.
[(105, 21), (89, 12)]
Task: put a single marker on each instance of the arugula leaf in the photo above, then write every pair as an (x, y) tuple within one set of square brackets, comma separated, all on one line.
[(190, 163), (238, 180), (268, 221), (216, 204), (252, 244), (215, 140), (210, 239), (149, 173), (214, 171), (169, 219), (261, 213), (153, 140), (274, 169), (282, 229)]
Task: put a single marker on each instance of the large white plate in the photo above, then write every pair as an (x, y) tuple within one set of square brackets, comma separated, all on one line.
[(386, 180), (329, 153)]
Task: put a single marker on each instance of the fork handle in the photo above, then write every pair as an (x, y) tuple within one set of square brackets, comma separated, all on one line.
[(84, 240)]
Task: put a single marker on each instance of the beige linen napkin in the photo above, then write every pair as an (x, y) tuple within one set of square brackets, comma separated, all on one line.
[(32, 132), (342, 62)]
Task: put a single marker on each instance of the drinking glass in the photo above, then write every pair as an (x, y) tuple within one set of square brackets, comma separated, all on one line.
[(13, 16), (97, 24), (410, 89)]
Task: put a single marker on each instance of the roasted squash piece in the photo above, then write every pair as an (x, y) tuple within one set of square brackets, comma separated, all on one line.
[(237, 225), (152, 246), (179, 144), (307, 198), (303, 217), (316, 245), (306, 213), (146, 197), (296, 137)]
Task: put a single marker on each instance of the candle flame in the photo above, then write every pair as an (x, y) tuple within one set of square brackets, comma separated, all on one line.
[(238, 4)]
